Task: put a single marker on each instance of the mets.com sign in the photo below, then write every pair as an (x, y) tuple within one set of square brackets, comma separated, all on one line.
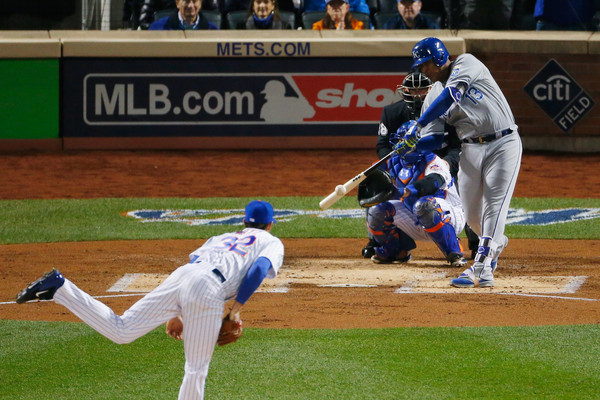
[(236, 216)]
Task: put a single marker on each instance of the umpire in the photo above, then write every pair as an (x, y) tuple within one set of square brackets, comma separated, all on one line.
[(413, 90)]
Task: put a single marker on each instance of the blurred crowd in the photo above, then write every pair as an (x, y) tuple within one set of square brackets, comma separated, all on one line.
[(573, 15), (582, 15)]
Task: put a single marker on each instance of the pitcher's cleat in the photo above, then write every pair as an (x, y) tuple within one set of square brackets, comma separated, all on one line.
[(43, 288)]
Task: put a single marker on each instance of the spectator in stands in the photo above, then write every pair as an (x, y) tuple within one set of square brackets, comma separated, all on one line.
[(239, 5), (187, 16), (321, 5), (572, 15), (409, 17), (263, 14), (338, 16), (149, 7), (480, 14)]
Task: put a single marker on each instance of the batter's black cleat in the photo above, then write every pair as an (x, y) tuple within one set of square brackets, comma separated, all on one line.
[(43, 288), (456, 260), (369, 250)]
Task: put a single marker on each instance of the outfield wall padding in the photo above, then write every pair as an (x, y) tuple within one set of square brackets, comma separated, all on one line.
[(121, 66)]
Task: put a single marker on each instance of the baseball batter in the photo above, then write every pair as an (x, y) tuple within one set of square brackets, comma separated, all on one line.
[(490, 160), (445, 144), (231, 265)]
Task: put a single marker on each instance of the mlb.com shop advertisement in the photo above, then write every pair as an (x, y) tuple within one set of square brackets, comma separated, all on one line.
[(109, 102)]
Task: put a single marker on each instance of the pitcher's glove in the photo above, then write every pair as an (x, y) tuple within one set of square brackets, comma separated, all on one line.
[(230, 331)]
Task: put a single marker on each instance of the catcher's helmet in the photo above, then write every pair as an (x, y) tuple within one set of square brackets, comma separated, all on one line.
[(430, 49), (413, 90), (376, 188), (395, 137)]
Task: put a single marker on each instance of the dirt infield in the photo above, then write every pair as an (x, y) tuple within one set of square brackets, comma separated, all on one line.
[(327, 284)]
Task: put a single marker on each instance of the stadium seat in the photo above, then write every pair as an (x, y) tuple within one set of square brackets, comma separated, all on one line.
[(214, 16), (380, 18), (310, 17)]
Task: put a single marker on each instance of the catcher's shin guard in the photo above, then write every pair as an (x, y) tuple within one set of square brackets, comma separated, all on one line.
[(391, 241), (437, 225)]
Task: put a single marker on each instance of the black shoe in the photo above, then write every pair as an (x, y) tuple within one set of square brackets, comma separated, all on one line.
[(369, 250), (400, 260), (43, 288), (456, 260)]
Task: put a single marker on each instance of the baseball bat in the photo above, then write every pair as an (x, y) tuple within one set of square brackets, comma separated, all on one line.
[(341, 190)]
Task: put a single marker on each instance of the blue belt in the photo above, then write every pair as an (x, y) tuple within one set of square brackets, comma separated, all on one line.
[(219, 275), (488, 138)]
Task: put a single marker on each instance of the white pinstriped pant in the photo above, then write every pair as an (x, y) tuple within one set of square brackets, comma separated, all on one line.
[(192, 291), (408, 223)]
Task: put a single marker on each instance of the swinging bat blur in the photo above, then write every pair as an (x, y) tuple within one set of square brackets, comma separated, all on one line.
[(341, 190)]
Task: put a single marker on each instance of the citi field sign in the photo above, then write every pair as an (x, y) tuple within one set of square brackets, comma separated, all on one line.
[(197, 99)]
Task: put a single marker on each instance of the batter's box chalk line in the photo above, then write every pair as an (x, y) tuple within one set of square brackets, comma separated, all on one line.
[(144, 282)]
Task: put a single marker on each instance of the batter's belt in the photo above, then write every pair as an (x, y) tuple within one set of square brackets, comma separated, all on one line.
[(488, 138)]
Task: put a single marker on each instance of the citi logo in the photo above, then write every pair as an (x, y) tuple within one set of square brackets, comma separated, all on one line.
[(556, 87)]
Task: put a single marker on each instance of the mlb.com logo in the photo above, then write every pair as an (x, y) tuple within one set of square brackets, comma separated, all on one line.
[(557, 93), (196, 99)]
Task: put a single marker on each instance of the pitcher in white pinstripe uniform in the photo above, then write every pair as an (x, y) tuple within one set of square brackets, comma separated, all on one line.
[(232, 265)]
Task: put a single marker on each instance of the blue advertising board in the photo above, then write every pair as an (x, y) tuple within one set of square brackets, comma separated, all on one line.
[(135, 97)]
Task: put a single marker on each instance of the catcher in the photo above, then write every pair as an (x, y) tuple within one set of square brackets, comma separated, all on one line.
[(416, 200), (231, 265)]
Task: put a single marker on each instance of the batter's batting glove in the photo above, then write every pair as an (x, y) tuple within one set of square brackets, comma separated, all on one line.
[(412, 134)]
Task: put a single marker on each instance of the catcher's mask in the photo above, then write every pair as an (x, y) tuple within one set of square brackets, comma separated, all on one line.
[(413, 90), (376, 188), (399, 134)]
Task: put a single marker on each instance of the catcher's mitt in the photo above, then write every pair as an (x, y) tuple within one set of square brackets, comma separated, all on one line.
[(230, 331), (376, 188)]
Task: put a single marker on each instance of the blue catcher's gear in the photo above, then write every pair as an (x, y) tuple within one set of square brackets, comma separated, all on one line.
[(393, 245), (430, 49), (437, 225), (398, 136)]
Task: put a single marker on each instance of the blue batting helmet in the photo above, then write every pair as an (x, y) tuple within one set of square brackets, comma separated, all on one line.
[(430, 49)]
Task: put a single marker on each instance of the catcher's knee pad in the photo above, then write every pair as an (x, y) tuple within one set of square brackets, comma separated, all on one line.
[(380, 218), (428, 212), (437, 225)]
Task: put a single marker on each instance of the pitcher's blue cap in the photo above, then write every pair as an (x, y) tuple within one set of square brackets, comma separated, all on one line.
[(259, 212)]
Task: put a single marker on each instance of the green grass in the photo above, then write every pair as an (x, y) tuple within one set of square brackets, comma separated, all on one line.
[(32, 221), (71, 361)]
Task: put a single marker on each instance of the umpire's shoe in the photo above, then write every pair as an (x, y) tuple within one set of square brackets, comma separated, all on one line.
[(42, 289)]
